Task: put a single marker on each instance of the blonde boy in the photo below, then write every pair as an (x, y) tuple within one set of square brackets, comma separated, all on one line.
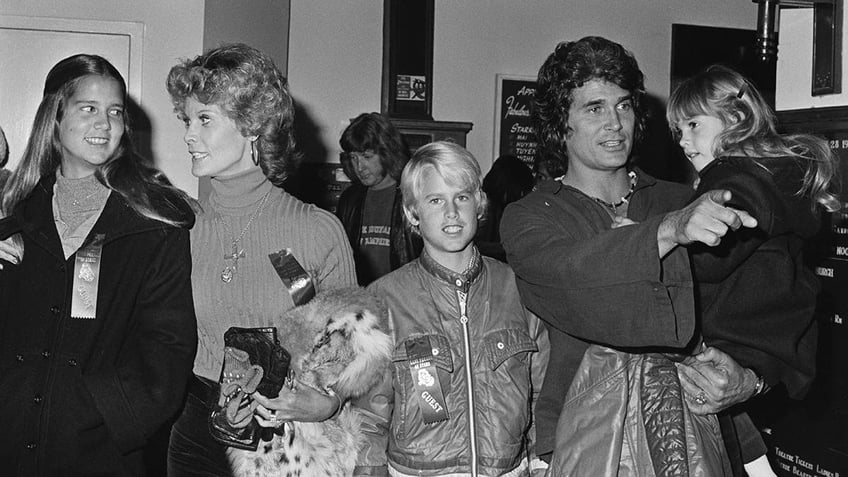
[(469, 359)]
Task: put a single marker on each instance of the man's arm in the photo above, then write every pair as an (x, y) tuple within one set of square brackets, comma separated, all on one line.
[(599, 284), (706, 220)]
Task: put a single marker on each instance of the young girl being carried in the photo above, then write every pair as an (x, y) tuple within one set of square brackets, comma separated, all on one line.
[(756, 296)]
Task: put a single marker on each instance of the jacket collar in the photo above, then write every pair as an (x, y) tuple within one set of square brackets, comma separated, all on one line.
[(459, 280), (34, 217)]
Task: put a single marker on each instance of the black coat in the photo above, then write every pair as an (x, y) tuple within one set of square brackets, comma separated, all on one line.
[(404, 245), (82, 396), (756, 294)]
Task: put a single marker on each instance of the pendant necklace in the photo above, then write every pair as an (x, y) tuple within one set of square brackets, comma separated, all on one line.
[(625, 199), (229, 271)]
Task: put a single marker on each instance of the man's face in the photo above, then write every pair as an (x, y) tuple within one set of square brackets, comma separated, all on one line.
[(601, 124)]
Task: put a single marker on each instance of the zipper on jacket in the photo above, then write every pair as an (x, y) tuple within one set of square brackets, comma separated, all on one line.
[(472, 425)]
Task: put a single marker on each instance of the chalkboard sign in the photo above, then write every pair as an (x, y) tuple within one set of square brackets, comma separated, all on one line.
[(514, 132)]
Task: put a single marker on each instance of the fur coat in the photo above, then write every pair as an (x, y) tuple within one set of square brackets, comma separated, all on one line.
[(338, 341)]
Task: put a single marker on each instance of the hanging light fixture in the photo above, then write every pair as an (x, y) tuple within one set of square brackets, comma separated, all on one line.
[(767, 25)]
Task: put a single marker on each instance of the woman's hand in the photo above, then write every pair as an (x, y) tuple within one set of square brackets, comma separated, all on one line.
[(302, 403), (713, 381)]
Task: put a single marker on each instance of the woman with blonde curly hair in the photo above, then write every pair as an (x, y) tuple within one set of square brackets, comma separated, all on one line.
[(238, 117)]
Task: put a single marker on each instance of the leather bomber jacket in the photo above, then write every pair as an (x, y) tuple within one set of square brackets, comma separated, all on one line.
[(405, 246), (508, 357)]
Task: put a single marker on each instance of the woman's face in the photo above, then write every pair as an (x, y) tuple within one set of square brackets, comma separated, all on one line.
[(92, 125), (214, 141)]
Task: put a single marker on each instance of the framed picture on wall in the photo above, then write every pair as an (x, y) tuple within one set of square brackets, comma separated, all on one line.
[(514, 133)]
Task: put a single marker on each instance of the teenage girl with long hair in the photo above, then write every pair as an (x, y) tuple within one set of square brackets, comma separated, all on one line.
[(98, 331)]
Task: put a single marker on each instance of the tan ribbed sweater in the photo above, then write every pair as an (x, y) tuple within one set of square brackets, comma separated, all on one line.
[(256, 296)]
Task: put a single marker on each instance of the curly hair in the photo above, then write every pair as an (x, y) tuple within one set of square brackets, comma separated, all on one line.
[(570, 66), (251, 90), (749, 126), (373, 132)]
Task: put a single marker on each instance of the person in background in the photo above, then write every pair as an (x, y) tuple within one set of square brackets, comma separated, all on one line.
[(596, 282), (508, 180), (4, 159), (374, 153), (756, 295), (238, 116), (547, 167), (98, 328), (476, 356)]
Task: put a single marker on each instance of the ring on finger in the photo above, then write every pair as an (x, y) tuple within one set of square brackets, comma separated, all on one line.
[(701, 398), (273, 417)]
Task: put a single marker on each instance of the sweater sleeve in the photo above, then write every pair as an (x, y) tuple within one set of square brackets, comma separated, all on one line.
[(603, 285), (147, 386), (337, 269)]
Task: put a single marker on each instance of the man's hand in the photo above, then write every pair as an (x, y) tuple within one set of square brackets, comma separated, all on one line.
[(705, 220), (712, 381)]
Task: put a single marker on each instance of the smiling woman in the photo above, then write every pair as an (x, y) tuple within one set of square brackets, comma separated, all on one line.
[(238, 114), (112, 323)]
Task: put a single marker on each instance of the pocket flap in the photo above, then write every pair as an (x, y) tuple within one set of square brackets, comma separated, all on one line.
[(441, 351), (502, 344)]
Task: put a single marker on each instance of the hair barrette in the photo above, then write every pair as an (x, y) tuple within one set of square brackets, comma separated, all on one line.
[(742, 91)]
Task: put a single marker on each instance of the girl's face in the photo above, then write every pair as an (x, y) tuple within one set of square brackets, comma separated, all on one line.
[(92, 125), (697, 138), (214, 141)]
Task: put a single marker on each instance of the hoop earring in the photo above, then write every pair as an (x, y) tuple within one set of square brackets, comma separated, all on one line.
[(253, 154)]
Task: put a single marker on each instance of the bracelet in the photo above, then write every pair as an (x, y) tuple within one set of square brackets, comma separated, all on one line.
[(761, 385), (333, 393)]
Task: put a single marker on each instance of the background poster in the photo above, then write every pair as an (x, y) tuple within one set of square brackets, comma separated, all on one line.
[(513, 129)]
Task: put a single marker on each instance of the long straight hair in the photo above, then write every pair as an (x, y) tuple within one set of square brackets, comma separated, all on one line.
[(749, 129), (146, 189)]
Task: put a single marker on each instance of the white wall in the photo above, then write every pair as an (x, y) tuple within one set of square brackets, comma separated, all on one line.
[(335, 55), (335, 64), (795, 63), (173, 30)]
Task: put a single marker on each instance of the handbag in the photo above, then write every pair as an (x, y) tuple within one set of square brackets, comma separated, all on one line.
[(254, 361)]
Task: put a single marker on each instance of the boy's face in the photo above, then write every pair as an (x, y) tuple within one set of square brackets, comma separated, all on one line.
[(447, 220)]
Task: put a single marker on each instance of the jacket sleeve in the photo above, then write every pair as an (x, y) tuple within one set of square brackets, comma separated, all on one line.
[(148, 383), (603, 285), (375, 409), (538, 367)]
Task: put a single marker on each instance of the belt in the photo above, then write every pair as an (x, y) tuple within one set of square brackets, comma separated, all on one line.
[(205, 390)]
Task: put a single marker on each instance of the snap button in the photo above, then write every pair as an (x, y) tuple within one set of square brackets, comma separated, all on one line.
[(37, 399), (458, 282), (61, 268), (45, 353), (435, 351), (501, 345)]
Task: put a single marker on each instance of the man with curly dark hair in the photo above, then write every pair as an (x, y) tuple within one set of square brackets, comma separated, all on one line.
[(597, 252)]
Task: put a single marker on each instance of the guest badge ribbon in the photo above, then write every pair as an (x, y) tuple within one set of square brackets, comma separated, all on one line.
[(425, 379), (294, 277), (87, 279)]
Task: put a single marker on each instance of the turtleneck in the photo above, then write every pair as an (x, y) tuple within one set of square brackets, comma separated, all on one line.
[(239, 193)]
